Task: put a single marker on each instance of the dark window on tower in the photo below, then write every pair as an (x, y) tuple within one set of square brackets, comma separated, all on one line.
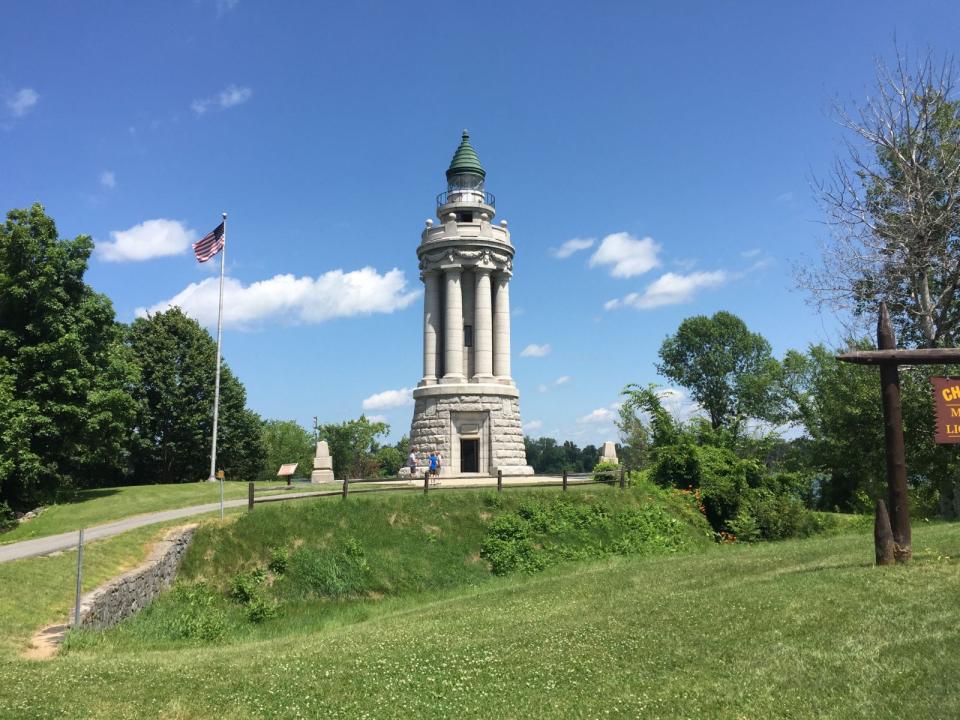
[(464, 217), (468, 335)]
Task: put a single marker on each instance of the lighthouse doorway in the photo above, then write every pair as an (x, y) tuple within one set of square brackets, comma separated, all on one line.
[(470, 456)]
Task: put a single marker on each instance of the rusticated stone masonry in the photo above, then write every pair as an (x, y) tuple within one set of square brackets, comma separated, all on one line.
[(129, 593), (431, 428)]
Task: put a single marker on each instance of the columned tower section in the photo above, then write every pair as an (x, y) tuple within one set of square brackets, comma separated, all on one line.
[(467, 405)]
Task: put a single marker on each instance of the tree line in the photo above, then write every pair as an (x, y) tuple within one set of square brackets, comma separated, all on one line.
[(86, 401)]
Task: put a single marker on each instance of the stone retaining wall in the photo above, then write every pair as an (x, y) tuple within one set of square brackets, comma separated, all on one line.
[(129, 593)]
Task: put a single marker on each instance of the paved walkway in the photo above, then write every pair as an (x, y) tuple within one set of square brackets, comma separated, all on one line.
[(68, 540)]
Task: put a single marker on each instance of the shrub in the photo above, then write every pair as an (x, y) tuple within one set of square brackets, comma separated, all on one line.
[(508, 546), (721, 477), (744, 526), (7, 519), (722, 482), (606, 472), (245, 586), (261, 608), (768, 515), (279, 560), (676, 466)]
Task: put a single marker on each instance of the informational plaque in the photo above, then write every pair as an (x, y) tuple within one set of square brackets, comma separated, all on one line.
[(946, 399), (288, 469)]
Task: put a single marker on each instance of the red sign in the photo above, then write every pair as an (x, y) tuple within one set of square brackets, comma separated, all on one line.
[(946, 399)]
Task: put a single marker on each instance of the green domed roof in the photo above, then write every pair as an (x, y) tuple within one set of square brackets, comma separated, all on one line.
[(465, 159)]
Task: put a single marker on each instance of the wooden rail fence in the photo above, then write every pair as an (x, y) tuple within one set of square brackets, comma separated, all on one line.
[(607, 477)]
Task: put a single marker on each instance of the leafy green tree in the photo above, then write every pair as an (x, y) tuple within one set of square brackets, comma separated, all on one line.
[(838, 406), (727, 369), (547, 456), (634, 437), (664, 429), (66, 409), (286, 441), (389, 461), (588, 459), (177, 360), (352, 445)]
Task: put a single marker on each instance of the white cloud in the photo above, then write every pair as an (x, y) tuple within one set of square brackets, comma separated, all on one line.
[(562, 380), (22, 101), (377, 418), (751, 253), (389, 399), (108, 179), (229, 97), (626, 255), (533, 350), (571, 246), (532, 425), (149, 239), (669, 289), (334, 294), (541, 388), (600, 415)]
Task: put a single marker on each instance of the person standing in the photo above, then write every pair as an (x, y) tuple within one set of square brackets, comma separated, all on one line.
[(412, 462), (433, 463), (439, 462)]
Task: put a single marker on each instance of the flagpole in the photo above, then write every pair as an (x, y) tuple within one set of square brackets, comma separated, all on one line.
[(216, 391)]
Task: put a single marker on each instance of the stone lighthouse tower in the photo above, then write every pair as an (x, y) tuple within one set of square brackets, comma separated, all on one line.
[(467, 405)]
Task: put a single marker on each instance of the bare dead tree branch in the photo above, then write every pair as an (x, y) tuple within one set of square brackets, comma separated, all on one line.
[(892, 201)]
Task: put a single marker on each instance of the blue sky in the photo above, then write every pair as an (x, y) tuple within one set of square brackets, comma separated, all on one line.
[(680, 138)]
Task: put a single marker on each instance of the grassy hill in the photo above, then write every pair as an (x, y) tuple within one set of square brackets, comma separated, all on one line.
[(800, 629), (306, 564)]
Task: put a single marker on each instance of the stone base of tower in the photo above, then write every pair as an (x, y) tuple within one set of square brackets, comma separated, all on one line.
[(475, 427)]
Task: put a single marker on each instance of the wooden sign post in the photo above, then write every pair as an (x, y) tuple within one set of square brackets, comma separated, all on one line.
[(889, 359)]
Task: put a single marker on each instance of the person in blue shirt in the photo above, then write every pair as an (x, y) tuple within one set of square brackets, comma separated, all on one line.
[(433, 463)]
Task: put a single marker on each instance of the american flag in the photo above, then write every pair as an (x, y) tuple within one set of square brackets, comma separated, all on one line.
[(210, 244)]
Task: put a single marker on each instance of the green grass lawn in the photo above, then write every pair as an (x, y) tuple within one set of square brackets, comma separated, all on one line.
[(102, 505), (798, 629)]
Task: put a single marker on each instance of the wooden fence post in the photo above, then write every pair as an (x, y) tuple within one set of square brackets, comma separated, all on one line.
[(499, 480), (249, 496), (623, 483), (76, 608), (426, 482), (346, 486), (564, 480)]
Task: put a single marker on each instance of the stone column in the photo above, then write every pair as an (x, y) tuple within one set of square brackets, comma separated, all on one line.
[(483, 328), (453, 328), (431, 326), (501, 327), (468, 288)]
